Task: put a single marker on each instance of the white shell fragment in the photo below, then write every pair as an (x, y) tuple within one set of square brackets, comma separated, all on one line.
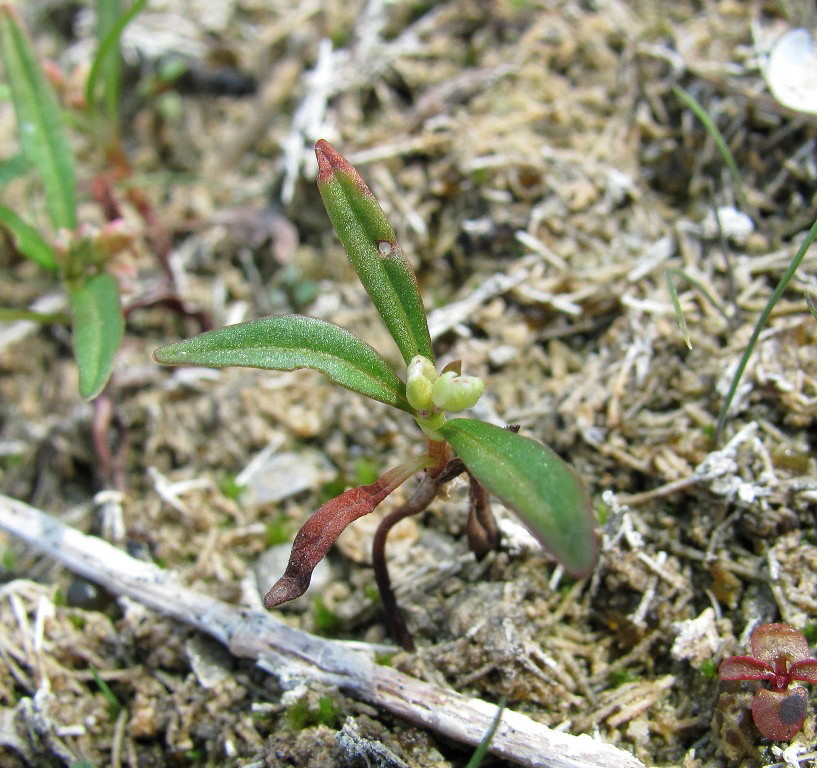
[(791, 71)]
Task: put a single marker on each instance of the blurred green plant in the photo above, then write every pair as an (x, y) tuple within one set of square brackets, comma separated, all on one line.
[(528, 477), (303, 713), (76, 253), (485, 744), (114, 705)]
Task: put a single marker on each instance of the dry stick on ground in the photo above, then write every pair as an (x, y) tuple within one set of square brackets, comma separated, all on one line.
[(295, 656)]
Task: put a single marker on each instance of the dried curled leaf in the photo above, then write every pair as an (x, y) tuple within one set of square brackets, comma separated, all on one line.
[(321, 531)]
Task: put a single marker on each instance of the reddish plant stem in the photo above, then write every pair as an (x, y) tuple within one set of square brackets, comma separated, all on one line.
[(111, 464), (483, 533), (423, 495)]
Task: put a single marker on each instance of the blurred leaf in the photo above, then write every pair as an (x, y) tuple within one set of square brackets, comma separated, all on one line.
[(98, 329), (107, 65), (374, 252), (533, 481), (27, 239), (13, 167), (482, 748), (39, 121), (812, 307), (289, 342), (114, 706)]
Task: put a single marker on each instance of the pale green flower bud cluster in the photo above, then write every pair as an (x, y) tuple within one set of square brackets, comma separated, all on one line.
[(431, 393)]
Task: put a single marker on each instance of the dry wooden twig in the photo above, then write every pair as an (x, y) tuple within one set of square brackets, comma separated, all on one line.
[(295, 656)]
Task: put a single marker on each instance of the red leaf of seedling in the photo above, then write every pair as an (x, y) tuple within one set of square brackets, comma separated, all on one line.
[(773, 642), (745, 668), (805, 671), (779, 715), (321, 531)]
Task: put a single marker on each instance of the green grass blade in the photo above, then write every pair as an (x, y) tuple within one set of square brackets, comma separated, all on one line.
[(289, 342), (27, 239), (114, 705), (98, 328), (39, 121), (533, 481), (482, 749), (106, 65), (812, 307), (676, 304), (372, 248), (760, 325), (720, 143)]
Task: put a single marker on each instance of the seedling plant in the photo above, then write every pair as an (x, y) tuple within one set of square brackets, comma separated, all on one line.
[(527, 476), (780, 656), (78, 254)]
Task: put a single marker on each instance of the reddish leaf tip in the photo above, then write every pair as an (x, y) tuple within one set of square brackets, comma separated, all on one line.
[(330, 161), (284, 590)]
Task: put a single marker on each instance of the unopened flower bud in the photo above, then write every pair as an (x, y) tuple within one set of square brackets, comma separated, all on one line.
[(453, 392), (420, 377)]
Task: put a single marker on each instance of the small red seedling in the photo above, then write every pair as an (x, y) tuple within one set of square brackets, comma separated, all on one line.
[(780, 655)]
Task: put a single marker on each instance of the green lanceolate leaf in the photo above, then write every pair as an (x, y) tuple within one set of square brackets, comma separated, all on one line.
[(39, 121), (27, 239), (533, 481), (374, 252), (98, 327), (288, 342)]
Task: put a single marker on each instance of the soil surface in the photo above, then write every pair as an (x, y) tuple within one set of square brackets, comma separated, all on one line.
[(547, 182)]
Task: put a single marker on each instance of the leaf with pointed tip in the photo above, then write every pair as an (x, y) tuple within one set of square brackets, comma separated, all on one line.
[(288, 342), (98, 327), (533, 481), (39, 121), (372, 248)]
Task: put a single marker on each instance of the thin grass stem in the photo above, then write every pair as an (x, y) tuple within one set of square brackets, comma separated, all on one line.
[(676, 304), (760, 325), (720, 143)]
